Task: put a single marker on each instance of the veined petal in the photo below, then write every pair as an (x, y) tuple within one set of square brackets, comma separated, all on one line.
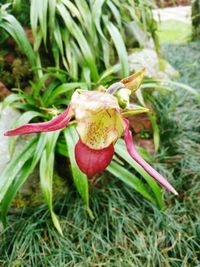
[(99, 120), (92, 161), (55, 124), (136, 156)]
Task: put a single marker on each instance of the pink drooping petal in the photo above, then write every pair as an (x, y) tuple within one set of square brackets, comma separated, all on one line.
[(55, 124), (136, 156), (92, 161)]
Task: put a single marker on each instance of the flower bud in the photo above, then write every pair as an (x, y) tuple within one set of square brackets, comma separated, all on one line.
[(123, 96)]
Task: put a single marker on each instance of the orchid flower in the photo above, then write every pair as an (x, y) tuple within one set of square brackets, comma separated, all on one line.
[(101, 121)]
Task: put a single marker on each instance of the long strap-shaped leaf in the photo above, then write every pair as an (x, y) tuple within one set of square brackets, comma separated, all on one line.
[(21, 177), (97, 14), (13, 27), (130, 179), (12, 190), (12, 169), (77, 33), (80, 179), (120, 47), (120, 149), (23, 119), (38, 17), (46, 174)]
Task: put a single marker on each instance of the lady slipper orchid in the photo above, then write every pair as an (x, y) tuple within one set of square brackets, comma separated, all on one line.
[(101, 121)]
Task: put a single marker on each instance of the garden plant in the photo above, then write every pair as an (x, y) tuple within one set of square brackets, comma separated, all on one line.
[(81, 106)]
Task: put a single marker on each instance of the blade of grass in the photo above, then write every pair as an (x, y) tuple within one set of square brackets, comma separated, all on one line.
[(155, 127), (181, 85)]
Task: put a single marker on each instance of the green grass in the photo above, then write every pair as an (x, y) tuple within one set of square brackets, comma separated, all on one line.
[(185, 57)]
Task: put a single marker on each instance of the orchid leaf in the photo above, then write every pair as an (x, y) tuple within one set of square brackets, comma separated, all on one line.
[(120, 47), (73, 10), (80, 179), (80, 38), (140, 96), (23, 119), (34, 16), (38, 16), (26, 117), (84, 10), (58, 38), (43, 7), (52, 12), (96, 14), (61, 148), (12, 190), (46, 98), (106, 52), (115, 12), (21, 177), (46, 174), (64, 89), (14, 166), (130, 179), (14, 28), (11, 99), (120, 149)]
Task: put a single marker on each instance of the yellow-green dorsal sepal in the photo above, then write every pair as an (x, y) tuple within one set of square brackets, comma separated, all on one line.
[(133, 109), (99, 122), (134, 81)]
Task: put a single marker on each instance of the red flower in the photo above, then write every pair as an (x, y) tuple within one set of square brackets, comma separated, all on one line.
[(101, 122)]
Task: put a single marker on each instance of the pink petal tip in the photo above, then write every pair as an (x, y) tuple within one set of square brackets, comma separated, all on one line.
[(55, 124), (136, 156)]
